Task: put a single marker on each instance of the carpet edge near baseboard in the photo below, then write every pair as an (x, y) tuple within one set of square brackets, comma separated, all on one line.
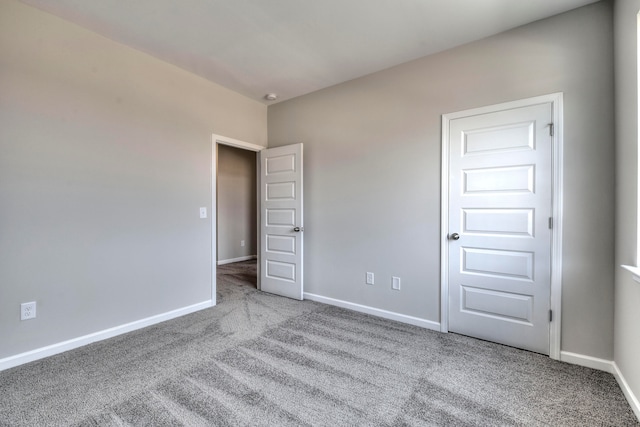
[(403, 318), (63, 346)]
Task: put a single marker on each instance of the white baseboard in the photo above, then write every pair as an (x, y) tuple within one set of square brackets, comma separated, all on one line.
[(428, 324), (587, 361), (50, 350), (628, 393), (232, 260)]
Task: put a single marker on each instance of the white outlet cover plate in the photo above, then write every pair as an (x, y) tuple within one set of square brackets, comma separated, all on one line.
[(27, 310), (395, 283), (370, 278), (203, 212)]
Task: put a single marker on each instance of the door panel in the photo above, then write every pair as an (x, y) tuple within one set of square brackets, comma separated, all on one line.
[(281, 215), (499, 204), (493, 263), (513, 222), (503, 305)]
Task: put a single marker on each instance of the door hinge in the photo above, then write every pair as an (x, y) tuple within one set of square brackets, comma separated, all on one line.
[(550, 129), (550, 223), (550, 315)]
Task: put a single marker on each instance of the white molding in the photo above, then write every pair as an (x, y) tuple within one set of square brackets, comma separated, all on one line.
[(213, 255), (239, 259), (556, 100), (416, 321), (628, 393), (587, 361), (215, 140), (50, 350), (236, 143), (635, 271), (555, 330), (444, 227)]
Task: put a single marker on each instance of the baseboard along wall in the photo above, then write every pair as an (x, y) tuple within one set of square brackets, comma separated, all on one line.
[(424, 323), (61, 347), (587, 361), (232, 260), (40, 353)]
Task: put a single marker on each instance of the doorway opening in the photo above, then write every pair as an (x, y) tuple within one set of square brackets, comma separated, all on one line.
[(229, 251), (237, 226)]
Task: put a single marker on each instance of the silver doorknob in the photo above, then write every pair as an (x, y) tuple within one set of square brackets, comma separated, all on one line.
[(298, 229), (454, 236)]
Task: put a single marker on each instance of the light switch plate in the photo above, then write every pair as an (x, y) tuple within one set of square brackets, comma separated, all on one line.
[(203, 212)]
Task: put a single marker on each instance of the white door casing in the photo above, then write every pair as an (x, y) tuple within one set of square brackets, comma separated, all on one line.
[(281, 224), (501, 186)]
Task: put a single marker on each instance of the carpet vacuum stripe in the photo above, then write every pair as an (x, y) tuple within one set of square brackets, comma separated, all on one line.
[(257, 359)]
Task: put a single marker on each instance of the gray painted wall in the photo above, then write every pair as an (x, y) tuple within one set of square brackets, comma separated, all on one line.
[(372, 167), (627, 296), (105, 159), (237, 204)]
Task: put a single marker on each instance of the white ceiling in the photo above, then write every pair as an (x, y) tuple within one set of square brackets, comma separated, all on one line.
[(293, 47)]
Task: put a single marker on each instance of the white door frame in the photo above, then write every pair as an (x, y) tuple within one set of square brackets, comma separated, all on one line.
[(556, 233), (215, 140)]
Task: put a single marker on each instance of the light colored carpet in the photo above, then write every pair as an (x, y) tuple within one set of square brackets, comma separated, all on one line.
[(258, 359)]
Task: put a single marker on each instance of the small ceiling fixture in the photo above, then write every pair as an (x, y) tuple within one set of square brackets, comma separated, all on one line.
[(271, 97)]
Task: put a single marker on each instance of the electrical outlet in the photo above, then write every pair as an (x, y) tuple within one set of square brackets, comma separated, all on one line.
[(370, 278), (28, 310), (395, 283), (241, 242)]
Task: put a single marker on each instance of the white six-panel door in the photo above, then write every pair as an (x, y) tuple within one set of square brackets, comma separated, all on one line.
[(499, 236), (281, 230)]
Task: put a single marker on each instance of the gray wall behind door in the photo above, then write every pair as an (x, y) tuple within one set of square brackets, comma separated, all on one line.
[(372, 167), (237, 205)]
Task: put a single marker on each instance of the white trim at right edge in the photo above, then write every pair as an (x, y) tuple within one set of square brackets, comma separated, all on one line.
[(555, 327), (635, 272), (628, 393)]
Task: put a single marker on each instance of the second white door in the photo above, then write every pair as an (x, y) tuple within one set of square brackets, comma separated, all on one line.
[(499, 241), (281, 218)]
